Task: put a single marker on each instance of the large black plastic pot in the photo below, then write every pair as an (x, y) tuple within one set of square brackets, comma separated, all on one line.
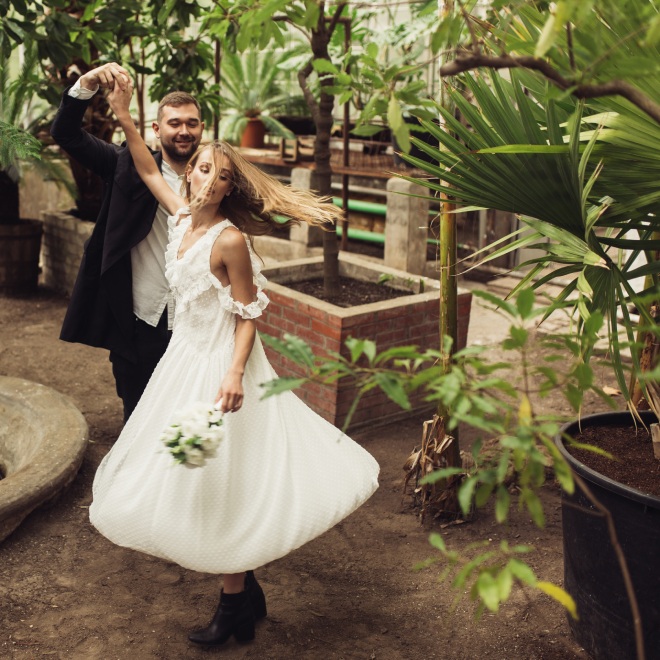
[(591, 571)]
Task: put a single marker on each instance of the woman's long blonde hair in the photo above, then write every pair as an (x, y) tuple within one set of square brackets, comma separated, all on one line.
[(256, 197)]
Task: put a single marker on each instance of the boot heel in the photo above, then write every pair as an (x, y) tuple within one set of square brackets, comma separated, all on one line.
[(245, 632)]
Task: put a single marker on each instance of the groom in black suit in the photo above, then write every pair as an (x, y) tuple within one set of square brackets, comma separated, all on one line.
[(120, 299)]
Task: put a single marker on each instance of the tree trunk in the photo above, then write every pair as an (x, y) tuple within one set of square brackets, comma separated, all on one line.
[(323, 120), (448, 285)]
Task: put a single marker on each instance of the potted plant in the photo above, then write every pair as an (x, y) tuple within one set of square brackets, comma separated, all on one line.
[(20, 238), (590, 227), (252, 92)]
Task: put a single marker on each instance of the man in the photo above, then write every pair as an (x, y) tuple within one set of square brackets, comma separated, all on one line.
[(121, 296)]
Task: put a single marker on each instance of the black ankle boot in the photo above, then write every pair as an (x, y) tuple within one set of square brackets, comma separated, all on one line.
[(256, 595), (234, 616)]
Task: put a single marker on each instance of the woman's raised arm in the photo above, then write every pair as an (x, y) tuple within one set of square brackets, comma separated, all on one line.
[(119, 100)]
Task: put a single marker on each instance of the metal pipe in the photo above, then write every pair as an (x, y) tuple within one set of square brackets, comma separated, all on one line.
[(367, 207)]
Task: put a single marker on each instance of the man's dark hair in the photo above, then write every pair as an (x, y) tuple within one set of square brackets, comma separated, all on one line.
[(176, 99)]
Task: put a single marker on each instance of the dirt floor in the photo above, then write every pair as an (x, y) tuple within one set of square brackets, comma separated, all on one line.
[(66, 592)]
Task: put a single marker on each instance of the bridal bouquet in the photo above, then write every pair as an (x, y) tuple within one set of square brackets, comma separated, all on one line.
[(194, 435)]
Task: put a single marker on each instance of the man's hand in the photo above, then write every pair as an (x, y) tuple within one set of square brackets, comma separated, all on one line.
[(106, 76)]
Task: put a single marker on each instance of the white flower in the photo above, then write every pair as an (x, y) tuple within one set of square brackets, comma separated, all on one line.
[(194, 427), (215, 416), (171, 433), (194, 456), (211, 440), (195, 434)]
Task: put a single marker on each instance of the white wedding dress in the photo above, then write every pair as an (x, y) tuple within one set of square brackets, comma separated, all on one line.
[(282, 475)]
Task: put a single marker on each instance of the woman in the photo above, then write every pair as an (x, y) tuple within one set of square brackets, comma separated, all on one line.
[(282, 475)]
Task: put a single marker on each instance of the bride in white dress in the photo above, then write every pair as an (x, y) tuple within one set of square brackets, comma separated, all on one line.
[(282, 475)]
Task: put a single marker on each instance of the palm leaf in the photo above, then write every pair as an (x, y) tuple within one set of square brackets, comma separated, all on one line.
[(566, 170)]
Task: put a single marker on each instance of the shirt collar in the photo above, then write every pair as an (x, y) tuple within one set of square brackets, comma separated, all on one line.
[(167, 169)]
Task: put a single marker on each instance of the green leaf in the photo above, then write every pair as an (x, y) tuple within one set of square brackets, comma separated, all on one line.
[(560, 596), (504, 583), (653, 32), (488, 590), (437, 542), (402, 135), (372, 50), (394, 114), (465, 493), (391, 385), (322, 65), (282, 384), (502, 504), (345, 97), (356, 347), (165, 11), (291, 347), (517, 338), (369, 350), (534, 506), (525, 303), (366, 130), (482, 494), (522, 572)]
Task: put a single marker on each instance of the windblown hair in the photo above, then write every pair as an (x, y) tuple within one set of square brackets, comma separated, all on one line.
[(255, 197), (176, 99)]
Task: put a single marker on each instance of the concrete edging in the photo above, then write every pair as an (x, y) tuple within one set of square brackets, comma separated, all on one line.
[(43, 438)]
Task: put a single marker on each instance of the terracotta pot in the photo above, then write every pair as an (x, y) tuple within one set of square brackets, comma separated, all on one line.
[(254, 133)]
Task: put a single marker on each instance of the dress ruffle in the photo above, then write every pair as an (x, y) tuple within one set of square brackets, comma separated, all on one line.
[(250, 311), (185, 292)]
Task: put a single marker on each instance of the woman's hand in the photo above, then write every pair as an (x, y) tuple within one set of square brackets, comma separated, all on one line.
[(119, 99), (230, 394)]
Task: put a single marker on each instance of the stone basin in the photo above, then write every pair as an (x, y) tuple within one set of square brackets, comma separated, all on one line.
[(43, 438)]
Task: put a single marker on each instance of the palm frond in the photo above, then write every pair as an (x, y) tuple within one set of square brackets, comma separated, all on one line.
[(566, 169)]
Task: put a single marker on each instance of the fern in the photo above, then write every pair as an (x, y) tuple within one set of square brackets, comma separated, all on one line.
[(17, 144)]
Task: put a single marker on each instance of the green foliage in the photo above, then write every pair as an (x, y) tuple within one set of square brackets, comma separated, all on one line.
[(252, 86), (488, 572), (149, 37), (17, 144), (385, 74), (22, 120), (514, 445), (572, 187)]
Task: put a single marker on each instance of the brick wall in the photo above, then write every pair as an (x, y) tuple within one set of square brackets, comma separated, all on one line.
[(62, 248), (390, 323)]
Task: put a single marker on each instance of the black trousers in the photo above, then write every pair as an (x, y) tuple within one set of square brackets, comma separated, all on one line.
[(132, 377)]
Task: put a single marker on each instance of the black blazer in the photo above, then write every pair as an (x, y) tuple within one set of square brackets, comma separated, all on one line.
[(100, 312)]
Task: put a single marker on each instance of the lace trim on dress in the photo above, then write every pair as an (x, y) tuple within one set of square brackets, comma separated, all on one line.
[(205, 279)]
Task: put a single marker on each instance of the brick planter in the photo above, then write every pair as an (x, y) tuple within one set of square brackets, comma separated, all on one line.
[(325, 327)]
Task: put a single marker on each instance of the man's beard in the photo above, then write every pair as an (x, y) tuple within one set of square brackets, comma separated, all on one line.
[(177, 154)]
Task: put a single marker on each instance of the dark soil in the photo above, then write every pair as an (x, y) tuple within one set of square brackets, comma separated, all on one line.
[(352, 292), (630, 449)]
